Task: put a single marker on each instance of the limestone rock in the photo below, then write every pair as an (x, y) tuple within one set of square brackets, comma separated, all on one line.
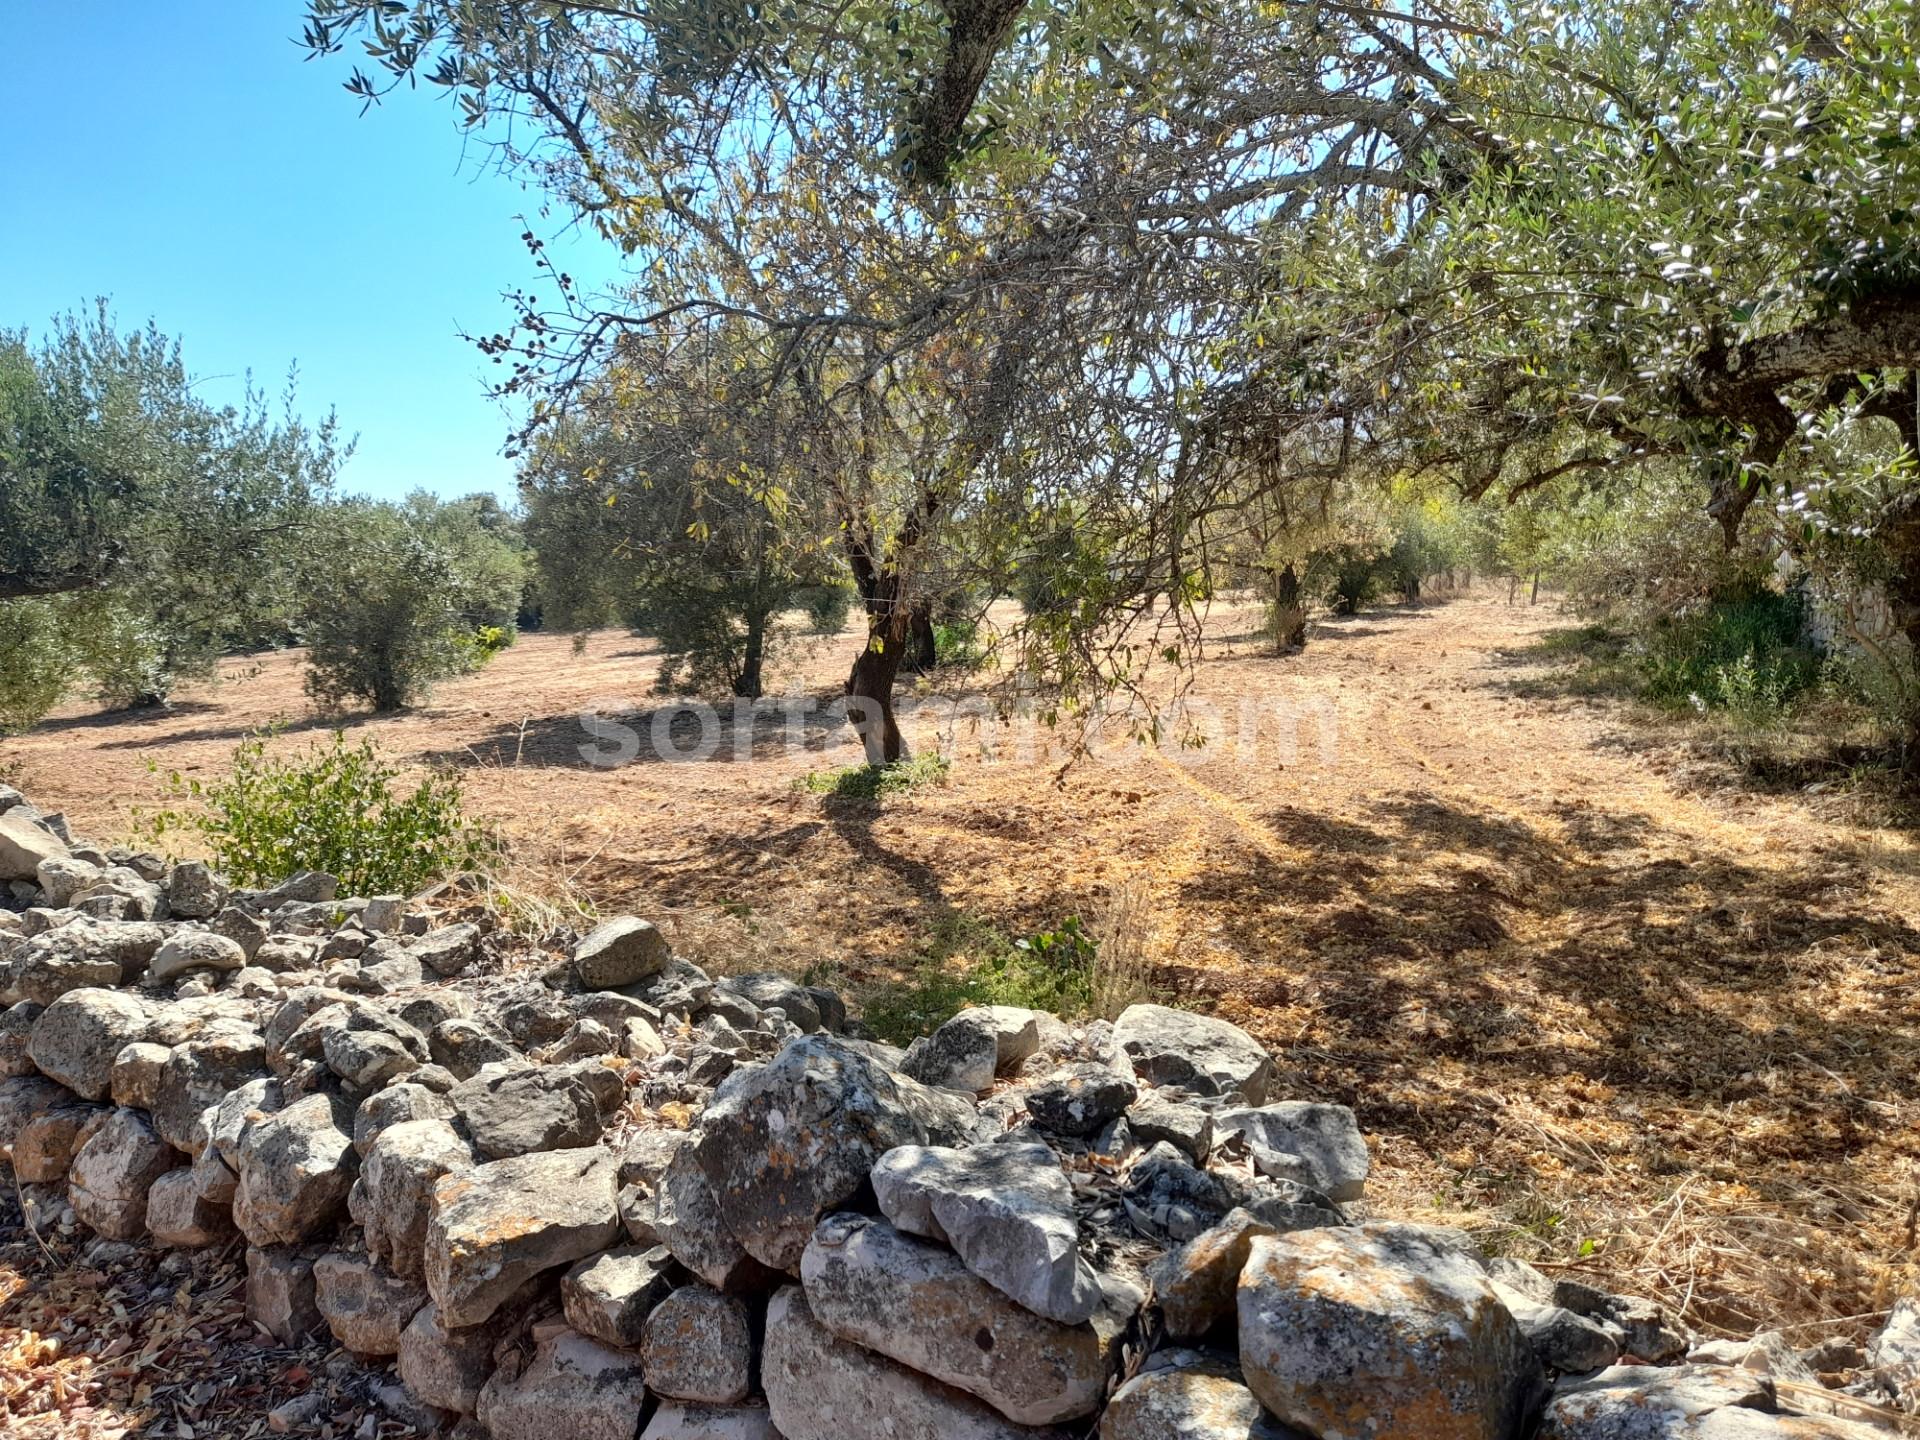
[(78, 1036), (608, 1297), (916, 1303), (1155, 1120), (820, 1387), (962, 1054), (786, 1142), (24, 846), (1382, 1333), (449, 950), (499, 1224), (1007, 1211), (295, 1168), (45, 1146), (1016, 1033), (697, 1344), (677, 1421), (188, 950), (688, 1220), (1196, 1286), (1081, 1100), (1185, 1396), (1631, 1402), (280, 1292), (194, 892), (22, 1097), (573, 1387), (518, 1111), (445, 1368), (16, 1031), (135, 1077), (1195, 1052), (1319, 1146), (396, 1105), (364, 1304), (202, 1072), (181, 1214), (399, 1175), (619, 952), (466, 1047), (111, 1174)]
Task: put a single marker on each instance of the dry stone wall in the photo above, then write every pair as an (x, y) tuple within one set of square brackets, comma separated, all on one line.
[(622, 1198)]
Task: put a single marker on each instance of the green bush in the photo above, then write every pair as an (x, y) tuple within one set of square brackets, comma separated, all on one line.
[(35, 662), (970, 962), (1744, 653), (957, 644), (876, 782), (827, 607), (334, 809)]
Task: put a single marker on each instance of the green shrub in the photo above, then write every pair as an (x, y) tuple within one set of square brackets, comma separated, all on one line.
[(957, 644), (35, 663), (968, 961), (876, 782), (827, 608), (336, 809), (1745, 653)]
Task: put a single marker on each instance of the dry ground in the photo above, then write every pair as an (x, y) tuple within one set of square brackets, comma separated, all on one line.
[(1608, 1015)]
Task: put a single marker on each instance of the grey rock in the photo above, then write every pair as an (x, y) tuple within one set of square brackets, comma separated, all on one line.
[(675, 1420), (364, 1304), (61, 877), (498, 1225), (249, 932), (1642, 1329), (697, 1344), (466, 1047), (306, 887), (584, 1039), (431, 1007), (25, 846), (194, 892), (517, 1111), (16, 1031), (201, 1072), (786, 1142), (448, 951), (689, 1221), (396, 1105), (49, 965), (1412, 1324), (446, 1368), (1079, 1101), (1183, 1395), (295, 1167), (609, 1296), (1195, 1052), (679, 988), (766, 990), (182, 1215), (1154, 1119), (915, 1302), (78, 1036), (367, 1059), (1315, 1145), (189, 950), (280, 1292), (573, 1387), (962, 1054), (403, 1165), (820, 1387), (111, 1174), (1007, 1211), (617, 952)]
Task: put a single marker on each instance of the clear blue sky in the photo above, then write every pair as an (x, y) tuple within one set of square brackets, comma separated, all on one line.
[(184, 159)]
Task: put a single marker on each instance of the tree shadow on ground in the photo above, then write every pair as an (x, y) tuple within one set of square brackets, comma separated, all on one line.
[(678, 731), (136, 718), (1430, 939)]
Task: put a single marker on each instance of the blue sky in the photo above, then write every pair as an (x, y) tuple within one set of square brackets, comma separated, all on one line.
[(184, 159)]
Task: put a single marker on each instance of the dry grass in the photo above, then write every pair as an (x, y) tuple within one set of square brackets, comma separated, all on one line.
[(1611, 1006)]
